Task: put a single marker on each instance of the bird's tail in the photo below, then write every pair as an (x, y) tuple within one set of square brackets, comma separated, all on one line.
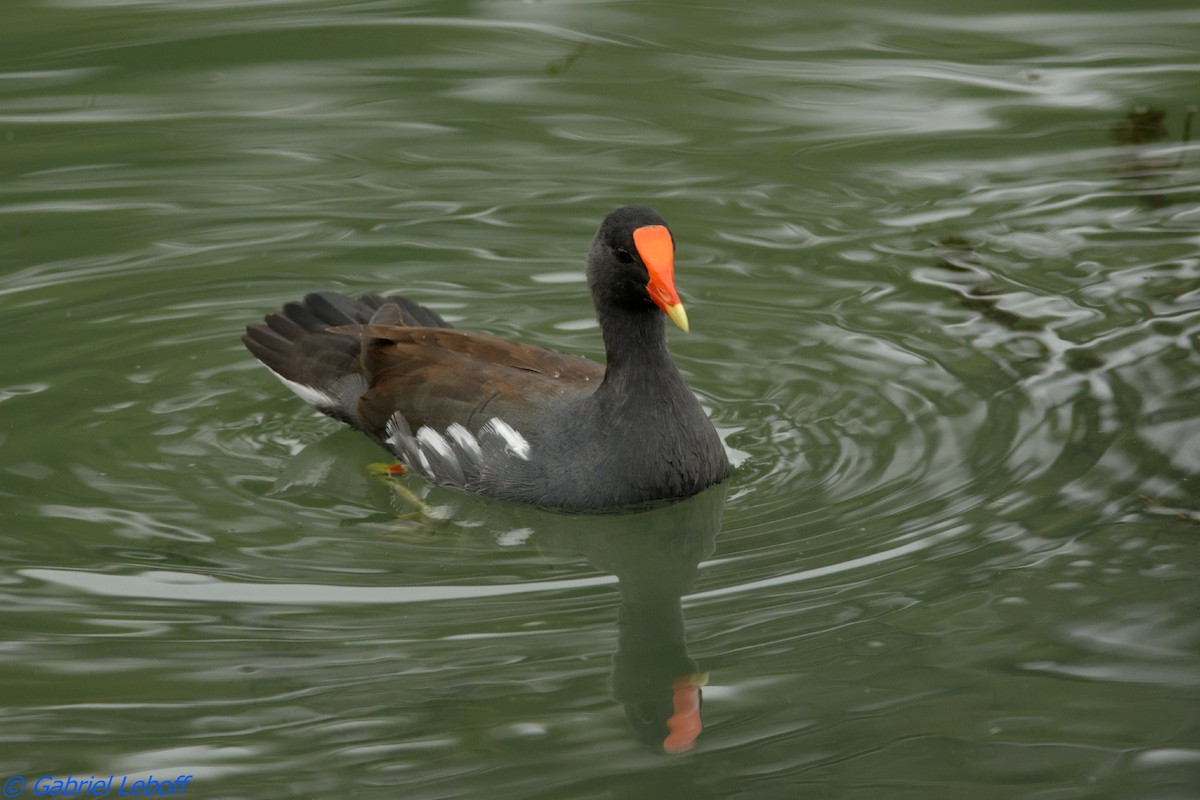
[(324, 368)]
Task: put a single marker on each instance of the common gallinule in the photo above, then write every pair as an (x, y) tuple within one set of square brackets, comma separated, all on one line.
[(509, 420)]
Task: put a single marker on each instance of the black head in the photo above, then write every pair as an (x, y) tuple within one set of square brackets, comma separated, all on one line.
[(631, 264)]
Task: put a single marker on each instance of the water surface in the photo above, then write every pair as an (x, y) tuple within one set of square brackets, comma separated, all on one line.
[(943, 271)]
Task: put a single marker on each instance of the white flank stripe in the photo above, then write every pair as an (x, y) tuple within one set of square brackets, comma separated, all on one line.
[(515, 441), (395, 429), (463, 438), (435, 441)]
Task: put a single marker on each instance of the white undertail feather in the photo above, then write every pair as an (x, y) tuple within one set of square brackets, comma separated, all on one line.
[(322, 401)]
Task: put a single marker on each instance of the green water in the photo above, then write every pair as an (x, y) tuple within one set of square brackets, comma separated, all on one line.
[(942, 265)]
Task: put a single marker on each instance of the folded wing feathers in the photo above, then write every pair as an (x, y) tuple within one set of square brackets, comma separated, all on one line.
[(324, 349)]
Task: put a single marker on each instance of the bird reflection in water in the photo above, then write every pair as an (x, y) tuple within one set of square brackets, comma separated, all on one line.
[(655, 555)]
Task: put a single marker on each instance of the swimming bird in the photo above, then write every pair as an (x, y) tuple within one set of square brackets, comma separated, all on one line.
[(510, 420)]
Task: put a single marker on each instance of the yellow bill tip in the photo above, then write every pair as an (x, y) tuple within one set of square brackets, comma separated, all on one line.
[(678, 315)]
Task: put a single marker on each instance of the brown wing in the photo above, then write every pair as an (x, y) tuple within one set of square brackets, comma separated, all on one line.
[(439, 376)]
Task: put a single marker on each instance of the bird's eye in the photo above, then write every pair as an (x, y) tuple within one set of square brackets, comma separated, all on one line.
[(623, 255)]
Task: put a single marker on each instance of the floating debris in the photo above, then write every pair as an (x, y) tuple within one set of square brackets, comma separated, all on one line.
[(561, 65), (1145, 160)]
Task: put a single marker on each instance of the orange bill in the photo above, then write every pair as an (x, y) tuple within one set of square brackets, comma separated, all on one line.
[(657, 251), (684, 725)]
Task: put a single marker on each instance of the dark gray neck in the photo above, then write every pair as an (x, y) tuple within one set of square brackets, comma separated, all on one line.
[(635, 347)]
